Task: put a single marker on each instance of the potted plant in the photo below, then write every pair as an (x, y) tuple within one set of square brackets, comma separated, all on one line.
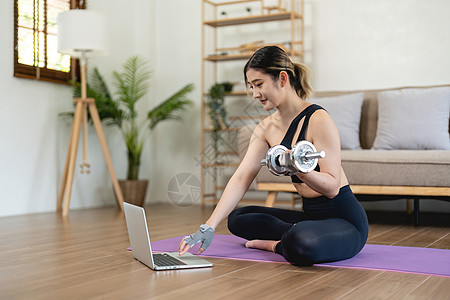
[(217, 111), (119, 109)]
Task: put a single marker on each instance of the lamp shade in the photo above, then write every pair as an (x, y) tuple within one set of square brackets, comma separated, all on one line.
[(81, 31)]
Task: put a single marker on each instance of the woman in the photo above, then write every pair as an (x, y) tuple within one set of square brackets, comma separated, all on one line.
[(333, 225)]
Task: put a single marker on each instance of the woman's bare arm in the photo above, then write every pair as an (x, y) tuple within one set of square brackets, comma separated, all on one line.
[(240, 181), (238, 184), (322, 132)]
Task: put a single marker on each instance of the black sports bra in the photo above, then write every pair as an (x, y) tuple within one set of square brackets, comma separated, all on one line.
[(287, 140)]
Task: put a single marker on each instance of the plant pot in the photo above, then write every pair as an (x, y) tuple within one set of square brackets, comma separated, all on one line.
[(134, 191)]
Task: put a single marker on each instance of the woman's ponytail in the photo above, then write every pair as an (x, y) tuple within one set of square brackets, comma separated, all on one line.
[(302, 74)]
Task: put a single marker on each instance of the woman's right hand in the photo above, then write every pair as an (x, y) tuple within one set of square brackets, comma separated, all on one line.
[(204, 235)]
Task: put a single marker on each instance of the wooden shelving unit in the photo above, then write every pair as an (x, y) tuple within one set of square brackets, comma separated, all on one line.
[(254, 19), (219, 162)]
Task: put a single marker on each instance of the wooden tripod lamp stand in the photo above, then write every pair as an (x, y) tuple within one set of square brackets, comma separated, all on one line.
[(82, 34)]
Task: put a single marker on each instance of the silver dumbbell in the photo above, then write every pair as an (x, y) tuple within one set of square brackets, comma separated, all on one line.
[(303, 157)]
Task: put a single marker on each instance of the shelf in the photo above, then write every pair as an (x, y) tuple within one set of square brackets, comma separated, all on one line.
[(219, 161), (253, 19), (209, 195), (234, 118), (234, 93), (228, 153), (237, 93), (241, 56), (229, 129), (233, 165)]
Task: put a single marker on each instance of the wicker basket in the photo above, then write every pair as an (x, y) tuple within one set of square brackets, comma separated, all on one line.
[(134, 191)]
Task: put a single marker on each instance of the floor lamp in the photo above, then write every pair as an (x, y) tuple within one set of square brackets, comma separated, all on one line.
[(82, 34)]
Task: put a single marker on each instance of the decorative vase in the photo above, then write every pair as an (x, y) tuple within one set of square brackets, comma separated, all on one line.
[(134, 191)]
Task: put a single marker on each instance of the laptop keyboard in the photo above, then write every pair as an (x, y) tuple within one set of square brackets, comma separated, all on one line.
[(162, 260)]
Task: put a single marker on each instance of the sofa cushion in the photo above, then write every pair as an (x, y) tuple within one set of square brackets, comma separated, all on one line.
[(369, 114), (397, 167), (413, 119), (345, 110)]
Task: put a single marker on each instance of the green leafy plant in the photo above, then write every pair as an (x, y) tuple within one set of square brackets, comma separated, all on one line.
[(119, 109), (216, 105)]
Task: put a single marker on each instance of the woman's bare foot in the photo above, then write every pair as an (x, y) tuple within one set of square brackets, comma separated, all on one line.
[(262, 244)]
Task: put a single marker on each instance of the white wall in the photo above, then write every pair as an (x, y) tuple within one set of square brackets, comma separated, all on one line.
[(351, 44), (176, 145), (29, 132), (34, 139), (377, 44)]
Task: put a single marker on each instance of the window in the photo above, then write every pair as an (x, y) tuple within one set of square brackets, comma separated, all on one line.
[(35, 45)]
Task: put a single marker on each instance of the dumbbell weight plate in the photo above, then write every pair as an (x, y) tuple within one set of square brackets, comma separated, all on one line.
[(272, 163), (298, 156)]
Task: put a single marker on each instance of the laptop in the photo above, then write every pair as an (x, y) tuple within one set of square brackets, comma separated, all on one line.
[(142, 250)]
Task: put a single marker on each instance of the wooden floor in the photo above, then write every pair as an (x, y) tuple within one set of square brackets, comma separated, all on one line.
[(45, 256)]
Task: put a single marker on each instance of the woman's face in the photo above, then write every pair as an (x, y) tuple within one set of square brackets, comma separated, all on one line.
[(264, 89)]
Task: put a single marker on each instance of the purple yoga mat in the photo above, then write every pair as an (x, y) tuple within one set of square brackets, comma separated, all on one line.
[(417, 260)]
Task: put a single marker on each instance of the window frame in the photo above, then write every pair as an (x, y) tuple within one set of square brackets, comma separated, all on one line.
[(44, 74)]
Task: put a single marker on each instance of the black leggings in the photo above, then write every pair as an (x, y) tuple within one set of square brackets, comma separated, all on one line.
[(327, 229)]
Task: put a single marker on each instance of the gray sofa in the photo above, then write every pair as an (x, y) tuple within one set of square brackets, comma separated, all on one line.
[(394, 144)]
